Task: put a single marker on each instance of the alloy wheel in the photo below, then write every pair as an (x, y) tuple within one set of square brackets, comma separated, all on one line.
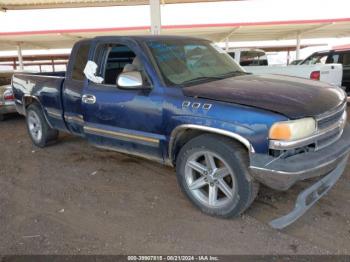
[(210, 179)]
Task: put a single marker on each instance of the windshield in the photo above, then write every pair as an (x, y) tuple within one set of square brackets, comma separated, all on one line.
[(184, 62)]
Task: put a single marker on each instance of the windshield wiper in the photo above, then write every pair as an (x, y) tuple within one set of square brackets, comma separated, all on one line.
[(234, 73), (218, 77), (202, 78)]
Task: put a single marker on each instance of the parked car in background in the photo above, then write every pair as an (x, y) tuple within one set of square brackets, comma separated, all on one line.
[(255, 61), (186, 103), (296, 62), (341, 56), (7, 100), (249, 56)]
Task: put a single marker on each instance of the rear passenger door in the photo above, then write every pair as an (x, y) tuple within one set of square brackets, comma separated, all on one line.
[(73, 88)]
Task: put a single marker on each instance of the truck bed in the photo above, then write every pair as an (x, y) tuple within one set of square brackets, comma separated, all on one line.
[(329, 73), (46, 88)]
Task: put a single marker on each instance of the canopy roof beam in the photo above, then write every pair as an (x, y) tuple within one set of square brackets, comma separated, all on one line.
[(71, 36), (227, 37), (307, 30)]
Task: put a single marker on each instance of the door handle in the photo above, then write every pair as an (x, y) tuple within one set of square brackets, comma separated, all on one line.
[(88, 99)]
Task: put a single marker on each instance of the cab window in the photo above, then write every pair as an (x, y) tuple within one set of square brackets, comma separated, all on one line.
[(115, 59), (80, 62), (316, 59)]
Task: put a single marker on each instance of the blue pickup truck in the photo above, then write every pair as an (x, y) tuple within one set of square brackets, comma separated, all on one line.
[(184, 102)]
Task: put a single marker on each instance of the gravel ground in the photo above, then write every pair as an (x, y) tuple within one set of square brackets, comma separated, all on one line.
[(71, 198)]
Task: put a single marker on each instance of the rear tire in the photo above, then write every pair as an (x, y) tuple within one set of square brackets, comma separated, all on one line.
[(213, 173), (39, 130), (2, 117)]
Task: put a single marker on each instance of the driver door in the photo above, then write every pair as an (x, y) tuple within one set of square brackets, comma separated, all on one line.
[(126, 120)]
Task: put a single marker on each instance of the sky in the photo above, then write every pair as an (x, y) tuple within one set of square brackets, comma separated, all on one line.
[(214, 12)]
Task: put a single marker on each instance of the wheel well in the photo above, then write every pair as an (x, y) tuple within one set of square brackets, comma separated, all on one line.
[(186, 135), (32, 100), (28, 100)]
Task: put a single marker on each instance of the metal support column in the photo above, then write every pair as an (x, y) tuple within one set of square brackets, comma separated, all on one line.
[(155, 17), (20, 57), (226, 44), (14, 64), (297, 51), (53, 65)]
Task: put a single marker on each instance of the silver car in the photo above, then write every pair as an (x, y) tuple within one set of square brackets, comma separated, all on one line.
[(7, 101)]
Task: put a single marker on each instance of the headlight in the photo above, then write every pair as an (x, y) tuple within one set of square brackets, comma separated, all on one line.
[(293, 130)]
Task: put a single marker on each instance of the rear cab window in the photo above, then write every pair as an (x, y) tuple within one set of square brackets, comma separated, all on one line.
[(80, 61)]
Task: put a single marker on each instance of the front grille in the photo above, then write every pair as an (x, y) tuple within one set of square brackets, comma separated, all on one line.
[(329, 120), (329, 138), (335, 123)]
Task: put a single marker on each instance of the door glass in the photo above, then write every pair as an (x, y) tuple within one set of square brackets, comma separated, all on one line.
[(119, 58)]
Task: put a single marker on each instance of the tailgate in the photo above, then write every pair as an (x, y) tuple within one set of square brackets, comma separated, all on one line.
[(331, 73)]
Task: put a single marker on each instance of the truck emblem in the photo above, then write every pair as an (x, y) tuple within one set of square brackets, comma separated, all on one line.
[(207, 106), (186, 104), (196, 105)]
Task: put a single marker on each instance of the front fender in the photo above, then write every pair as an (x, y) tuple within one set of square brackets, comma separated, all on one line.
[(237, 132)]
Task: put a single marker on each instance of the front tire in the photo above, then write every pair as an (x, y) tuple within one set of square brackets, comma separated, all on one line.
[(39, 130), (213, 172)]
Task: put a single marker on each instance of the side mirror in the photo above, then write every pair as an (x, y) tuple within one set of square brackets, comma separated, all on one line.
[(132, 79)]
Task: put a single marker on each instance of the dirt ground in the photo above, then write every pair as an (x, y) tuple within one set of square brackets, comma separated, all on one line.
[(71, 198)]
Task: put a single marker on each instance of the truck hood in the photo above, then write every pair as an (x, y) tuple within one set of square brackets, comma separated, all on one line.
[(290, 96)]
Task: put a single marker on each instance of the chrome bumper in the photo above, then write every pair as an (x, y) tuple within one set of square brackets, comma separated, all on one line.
[(281, 174), (7, 108)]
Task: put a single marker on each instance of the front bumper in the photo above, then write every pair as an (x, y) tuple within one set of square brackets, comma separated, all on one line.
[(281, 174), (7, 108), (310, 196)]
